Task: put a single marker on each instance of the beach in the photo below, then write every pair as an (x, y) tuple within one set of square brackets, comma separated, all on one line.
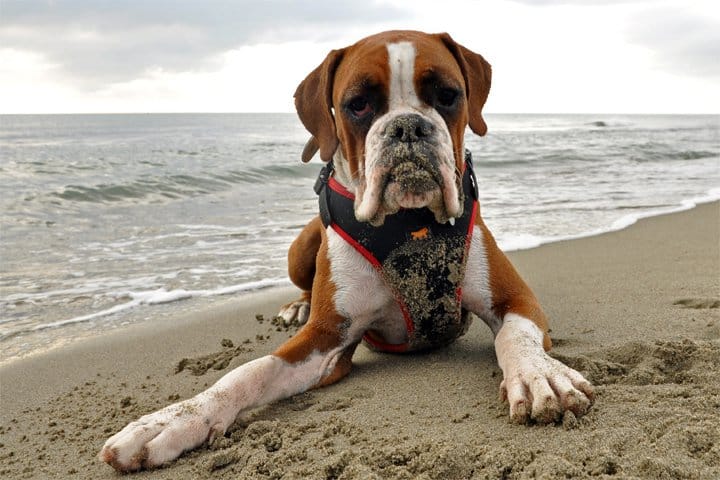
[(636, 311)]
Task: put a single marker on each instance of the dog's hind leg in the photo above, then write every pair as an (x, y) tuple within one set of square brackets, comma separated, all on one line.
[(301, 269), (303, 253)]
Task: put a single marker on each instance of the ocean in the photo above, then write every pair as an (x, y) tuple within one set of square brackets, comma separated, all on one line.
[(107, 220)]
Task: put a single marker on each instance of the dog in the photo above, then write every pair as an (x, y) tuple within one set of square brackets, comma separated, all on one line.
[(398, 256)]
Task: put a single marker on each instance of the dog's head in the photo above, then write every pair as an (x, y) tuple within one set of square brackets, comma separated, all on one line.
[(392, 111)]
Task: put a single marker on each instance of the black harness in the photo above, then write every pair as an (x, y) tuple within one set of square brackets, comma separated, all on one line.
[(421, 261)]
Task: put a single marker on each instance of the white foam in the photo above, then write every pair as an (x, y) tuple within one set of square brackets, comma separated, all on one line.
[(161, 296), (91, 287), (520, 242), (528, 241)]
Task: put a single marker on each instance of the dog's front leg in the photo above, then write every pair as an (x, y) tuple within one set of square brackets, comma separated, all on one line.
[(536, 386), (318, 355)]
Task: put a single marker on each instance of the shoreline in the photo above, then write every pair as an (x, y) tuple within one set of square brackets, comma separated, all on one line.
[(632, 309), (171, 302)]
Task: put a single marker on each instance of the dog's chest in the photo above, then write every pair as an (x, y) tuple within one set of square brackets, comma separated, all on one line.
[(424, 277), (411, 304), (411, 263)]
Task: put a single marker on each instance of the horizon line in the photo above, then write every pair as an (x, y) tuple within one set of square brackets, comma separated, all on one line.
[(292, 112)]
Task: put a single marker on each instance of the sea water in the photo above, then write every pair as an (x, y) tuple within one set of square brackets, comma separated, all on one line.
[(110, 219)]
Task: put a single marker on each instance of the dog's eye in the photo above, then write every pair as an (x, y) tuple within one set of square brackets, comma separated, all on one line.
[(447, 96), (360, 107)]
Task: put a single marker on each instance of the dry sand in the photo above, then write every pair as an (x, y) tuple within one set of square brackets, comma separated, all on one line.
[(636, 311)]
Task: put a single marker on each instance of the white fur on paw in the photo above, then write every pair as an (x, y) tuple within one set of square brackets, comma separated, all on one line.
[(295, 312), (160, 437), (541, 388)]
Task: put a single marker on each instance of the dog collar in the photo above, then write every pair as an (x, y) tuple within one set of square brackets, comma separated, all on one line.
[(421, 261)]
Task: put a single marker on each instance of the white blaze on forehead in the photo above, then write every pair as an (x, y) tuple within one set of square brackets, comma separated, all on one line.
[(401, 59), (370, 201)]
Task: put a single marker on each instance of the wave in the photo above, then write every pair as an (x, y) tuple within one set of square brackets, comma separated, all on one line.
[(659, 152), (269, 173), (650, 152), (152, 297), (693, 155), (510, 243), (528, 241), (172, 187)]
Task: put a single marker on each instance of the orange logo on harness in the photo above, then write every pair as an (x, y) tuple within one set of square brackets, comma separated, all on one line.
[(420, 234)]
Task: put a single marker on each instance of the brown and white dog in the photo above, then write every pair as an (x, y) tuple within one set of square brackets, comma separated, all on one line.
[(370, 108)]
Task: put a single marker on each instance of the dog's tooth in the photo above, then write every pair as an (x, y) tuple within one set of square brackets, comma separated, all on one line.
[(452, 221)]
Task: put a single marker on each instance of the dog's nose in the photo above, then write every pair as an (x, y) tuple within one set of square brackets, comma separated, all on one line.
[(408, 128)]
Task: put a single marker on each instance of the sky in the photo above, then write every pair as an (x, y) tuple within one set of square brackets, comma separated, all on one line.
[(548, 56)]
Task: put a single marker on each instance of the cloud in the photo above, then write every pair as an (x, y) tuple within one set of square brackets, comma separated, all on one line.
[(682, 42), (683, 38), (106, 41), (584, 3)]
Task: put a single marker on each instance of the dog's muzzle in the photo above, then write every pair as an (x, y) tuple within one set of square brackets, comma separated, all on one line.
[(409, 167), (413, 164)]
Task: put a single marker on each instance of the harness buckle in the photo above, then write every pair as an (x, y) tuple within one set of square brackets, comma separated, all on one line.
[(323, 177), (473, 179)]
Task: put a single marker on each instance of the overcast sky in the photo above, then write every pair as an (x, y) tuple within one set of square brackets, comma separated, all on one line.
[(550, 56)]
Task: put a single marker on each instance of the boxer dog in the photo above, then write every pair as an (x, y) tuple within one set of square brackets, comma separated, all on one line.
[(398, 255)]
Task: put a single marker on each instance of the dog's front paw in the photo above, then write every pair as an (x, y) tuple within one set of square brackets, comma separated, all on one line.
[(542, 389), (160, 437)]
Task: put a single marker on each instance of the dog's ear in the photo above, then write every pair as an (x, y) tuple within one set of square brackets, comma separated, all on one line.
[(313, 101), (311, 148), (477, 73)]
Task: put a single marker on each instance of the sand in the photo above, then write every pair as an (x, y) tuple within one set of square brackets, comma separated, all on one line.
[(636, 311)]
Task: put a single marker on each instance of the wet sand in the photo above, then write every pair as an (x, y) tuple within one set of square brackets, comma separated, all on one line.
[(636, 311)]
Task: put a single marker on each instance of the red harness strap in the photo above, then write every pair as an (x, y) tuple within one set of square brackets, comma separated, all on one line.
[(420, 260)]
